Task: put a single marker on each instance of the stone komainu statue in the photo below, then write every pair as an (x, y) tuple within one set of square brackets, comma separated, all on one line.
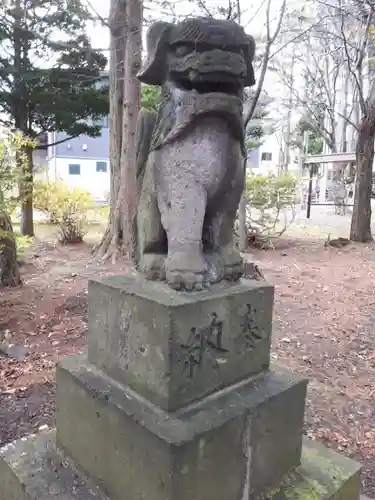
[(190, 155)]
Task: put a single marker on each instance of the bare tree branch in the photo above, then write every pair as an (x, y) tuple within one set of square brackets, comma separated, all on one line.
[(359, 59), (248, 113), (103, 20), (45, 146)]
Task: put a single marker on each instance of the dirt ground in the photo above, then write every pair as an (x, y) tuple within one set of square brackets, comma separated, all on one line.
[(323, 329)]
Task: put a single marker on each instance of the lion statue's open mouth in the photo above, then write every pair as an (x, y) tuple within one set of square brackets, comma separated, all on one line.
[(219, 84), (208, 69)]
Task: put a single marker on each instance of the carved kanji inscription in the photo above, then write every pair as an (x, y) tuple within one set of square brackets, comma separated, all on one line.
[(205, 341), (250, 333)]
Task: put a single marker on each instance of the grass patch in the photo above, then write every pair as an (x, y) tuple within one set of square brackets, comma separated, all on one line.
[(307, 229), (24, 243), (44, 231)]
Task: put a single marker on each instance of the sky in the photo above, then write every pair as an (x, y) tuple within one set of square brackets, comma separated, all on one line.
[(253, 16)]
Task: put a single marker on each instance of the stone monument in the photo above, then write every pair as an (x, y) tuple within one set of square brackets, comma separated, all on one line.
[(176, 398)]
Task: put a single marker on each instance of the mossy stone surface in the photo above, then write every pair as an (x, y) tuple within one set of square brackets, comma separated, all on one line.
[(244, 438), (32, 469), (322, 475)]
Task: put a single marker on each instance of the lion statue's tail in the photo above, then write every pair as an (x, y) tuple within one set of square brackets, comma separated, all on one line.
[(145, 126)]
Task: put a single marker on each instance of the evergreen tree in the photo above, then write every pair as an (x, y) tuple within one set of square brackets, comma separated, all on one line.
[(49, 76), (259, 125), (256, 129), (313, 124)]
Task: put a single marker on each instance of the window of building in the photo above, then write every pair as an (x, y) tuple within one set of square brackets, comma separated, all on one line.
[(101, 166), (74, 169), (266, 157)]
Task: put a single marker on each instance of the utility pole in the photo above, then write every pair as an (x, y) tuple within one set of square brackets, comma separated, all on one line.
[(305, 151)]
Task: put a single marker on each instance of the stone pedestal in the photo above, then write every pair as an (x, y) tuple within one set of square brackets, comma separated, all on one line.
[(176, 400), (175, 348)]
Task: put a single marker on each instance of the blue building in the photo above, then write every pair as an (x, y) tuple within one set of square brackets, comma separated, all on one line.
[(82, 162)]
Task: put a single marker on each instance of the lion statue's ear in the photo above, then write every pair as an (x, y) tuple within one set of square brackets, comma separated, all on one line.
[(249, 58), (154, 70)]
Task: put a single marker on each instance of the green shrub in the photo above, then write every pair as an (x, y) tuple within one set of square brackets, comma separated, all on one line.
[(270, 198), (23, 244), (53, 198), (65, 207), (13, 164), (49, 198), (271, 191), (71, 228), (14, 187)]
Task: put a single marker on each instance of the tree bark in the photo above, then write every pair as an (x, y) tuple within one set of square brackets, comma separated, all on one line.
[(117, 24), (360, 229), (20, 118), (133, 59), (9, 268), (26, 195), (125, 62)]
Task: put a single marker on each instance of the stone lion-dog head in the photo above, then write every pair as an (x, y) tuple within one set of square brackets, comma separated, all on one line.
[(200, 54)]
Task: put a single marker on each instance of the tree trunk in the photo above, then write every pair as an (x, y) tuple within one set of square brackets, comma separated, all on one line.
[(26, 195), (19, 112), (125, 62), (133, 60), (117, 22), (360, 229), (288, 133), (9, 269)]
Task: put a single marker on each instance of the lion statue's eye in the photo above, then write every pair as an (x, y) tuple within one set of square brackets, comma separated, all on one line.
[(183, 50)]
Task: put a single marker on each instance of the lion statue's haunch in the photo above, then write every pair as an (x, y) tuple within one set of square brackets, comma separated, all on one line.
[(190, 155)]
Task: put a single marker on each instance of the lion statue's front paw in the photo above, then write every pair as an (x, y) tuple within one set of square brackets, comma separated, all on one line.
[(186, 270), (186, 281), (152, 265), (233, 263), (233, 272)]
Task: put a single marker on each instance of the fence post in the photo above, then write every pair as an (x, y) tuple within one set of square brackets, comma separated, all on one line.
[(308, 212)]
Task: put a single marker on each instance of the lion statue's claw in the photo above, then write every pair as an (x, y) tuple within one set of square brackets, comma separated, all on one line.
[(186, 281)]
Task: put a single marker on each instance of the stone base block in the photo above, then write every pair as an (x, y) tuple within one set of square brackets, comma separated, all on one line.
[(230, 446), (32, 469), (323, 474), (175, 348)]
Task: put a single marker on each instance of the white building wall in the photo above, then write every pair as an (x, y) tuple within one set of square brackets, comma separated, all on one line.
[(97, 183), (271, 164), (40, 163)]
